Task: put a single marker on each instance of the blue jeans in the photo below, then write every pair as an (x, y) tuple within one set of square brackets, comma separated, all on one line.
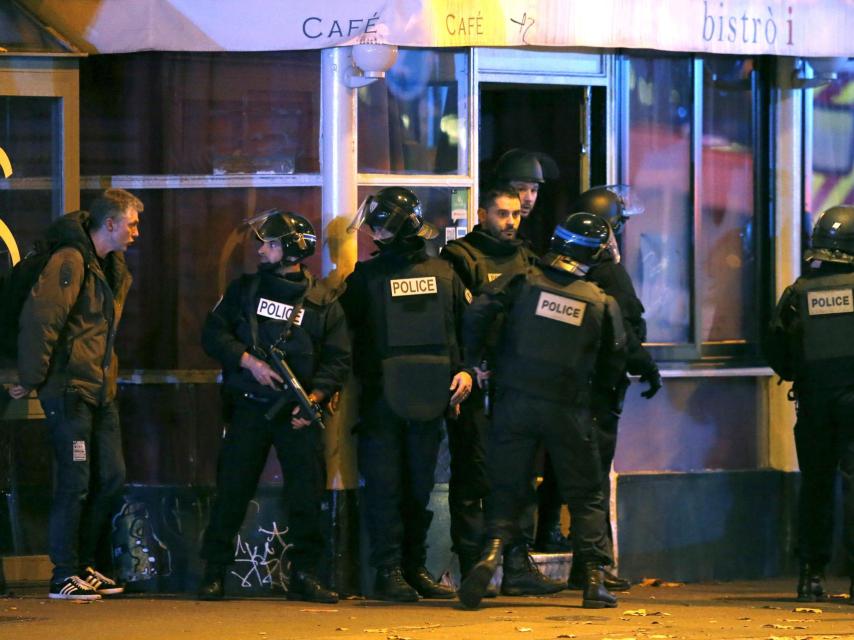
[(88, 480)]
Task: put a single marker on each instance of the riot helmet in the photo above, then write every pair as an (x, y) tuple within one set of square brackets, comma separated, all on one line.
[(393, 213), (833, 236), (294, 233), (525, 166), (614, 203), (581, 241)]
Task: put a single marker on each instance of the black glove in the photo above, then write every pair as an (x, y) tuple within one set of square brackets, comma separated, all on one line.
[(653, 379)]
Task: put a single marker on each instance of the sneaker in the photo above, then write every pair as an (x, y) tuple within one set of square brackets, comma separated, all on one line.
[(73, 588), (100, 583)]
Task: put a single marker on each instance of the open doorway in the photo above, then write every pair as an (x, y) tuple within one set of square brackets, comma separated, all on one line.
[(552, 120)]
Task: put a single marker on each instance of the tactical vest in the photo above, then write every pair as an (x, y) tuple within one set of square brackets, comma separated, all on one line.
[(273, 302), (826, 307), (485, 267), (551, 339), (412, 314)]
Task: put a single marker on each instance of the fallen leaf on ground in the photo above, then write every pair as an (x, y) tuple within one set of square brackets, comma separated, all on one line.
[(319, 610), (523, 629), (806, 610), (658, 582), (426, 625), (341, 629), (800, 620), (375, 630), (566, 635), (780, 626)]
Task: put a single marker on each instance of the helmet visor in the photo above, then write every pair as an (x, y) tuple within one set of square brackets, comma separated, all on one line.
[(273, 225), (386, 226)]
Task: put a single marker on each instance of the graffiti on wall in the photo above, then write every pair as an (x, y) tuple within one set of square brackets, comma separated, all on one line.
[(261, 561), (138, 554)]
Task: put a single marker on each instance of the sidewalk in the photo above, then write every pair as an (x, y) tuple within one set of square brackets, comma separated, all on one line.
[(764, 610)]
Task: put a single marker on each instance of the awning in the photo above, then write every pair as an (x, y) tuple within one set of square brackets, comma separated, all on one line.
[(808, 28)]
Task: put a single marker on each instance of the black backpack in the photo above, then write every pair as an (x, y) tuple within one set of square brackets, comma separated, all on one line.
[(15, 287)]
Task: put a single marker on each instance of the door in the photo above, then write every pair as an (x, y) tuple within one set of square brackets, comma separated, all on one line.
[(560, 121)]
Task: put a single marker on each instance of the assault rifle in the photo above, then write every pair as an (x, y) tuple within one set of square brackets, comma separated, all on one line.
[(275, 357)]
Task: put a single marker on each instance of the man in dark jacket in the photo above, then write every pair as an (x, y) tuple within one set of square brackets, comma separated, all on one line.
[(614, 205), (488, 252), (405, 309), (561, 335), (281, 306), (65, 352), (810, 342)]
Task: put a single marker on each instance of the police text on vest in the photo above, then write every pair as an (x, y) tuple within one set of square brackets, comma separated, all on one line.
[(822, 303), (278, 310), (561, 309), (414, 286)]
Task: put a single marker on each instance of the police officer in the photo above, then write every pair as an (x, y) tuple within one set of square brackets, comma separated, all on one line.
[(810, 342), (488, 252), (561, 335), (615, 205), (282, 306), (404, 308), (526, 171)]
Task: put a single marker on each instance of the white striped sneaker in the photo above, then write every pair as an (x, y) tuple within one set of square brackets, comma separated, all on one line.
[(100, 583), (73, 588)]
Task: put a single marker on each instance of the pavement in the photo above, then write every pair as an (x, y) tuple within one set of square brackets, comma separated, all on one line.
[(761, 609)]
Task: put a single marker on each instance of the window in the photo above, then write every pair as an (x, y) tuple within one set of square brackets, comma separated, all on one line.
[(830, 179), (416, 120), (205, 141), (693, 138)]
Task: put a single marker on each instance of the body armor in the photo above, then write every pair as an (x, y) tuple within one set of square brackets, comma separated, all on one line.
[(411, 315), (551, 340), (826, 313)]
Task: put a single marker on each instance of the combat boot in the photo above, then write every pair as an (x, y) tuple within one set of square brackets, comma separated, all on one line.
[(476, 583), (212, 586), (467, 563), (390, 585), (304, 586), (523, 578), (811, 584), (596, 596), (426, 586)]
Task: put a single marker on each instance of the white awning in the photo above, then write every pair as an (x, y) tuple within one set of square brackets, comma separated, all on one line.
[(809, 28)]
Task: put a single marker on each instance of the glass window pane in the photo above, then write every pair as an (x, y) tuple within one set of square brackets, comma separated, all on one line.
[(728, 270), (414, 121), (833, 148), (194, 113), (27, 136), (658, 245), (187, 253), (438, 203)]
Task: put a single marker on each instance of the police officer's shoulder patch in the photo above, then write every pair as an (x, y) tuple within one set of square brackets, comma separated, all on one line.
[(66, 273), (469, 296)]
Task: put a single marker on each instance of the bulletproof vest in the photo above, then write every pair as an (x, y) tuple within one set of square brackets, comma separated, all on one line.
[(826, 307), (272, 303), (551, 338), (485, 267), (412, 311)]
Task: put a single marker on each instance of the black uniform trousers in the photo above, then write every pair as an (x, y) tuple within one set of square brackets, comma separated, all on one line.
[(242, 457), (548, 494), (469, 483), (824, 438), (397, 460), (521, 423)]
